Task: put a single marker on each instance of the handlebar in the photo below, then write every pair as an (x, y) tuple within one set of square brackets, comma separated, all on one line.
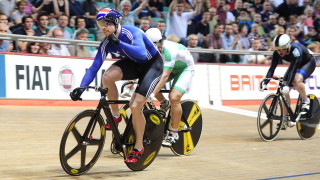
[(280, 79), (96, 88), (127, 83)]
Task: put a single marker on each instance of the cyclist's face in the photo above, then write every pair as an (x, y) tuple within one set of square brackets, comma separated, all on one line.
[(282, 52), (108, 29)]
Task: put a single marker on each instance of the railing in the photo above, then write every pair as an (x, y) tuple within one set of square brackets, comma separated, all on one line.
[(16, 38)]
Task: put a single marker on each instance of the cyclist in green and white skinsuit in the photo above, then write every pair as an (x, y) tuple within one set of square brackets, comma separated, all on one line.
[(179, 67)]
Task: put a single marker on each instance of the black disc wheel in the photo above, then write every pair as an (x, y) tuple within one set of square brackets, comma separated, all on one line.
[(152, 140), (188, 135), (307, 128), (270, 117), (79, 150)]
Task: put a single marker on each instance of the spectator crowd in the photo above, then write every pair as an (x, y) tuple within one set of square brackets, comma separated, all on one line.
[(212, 24)]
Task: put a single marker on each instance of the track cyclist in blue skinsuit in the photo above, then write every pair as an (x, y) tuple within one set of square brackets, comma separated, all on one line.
[(302, 65), (141, 61)]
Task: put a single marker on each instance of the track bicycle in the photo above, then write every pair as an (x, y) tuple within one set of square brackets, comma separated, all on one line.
[(190, 126), (83, 139), (270, 115)]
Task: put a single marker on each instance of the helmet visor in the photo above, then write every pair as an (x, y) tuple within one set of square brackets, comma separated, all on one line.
[(104, 23), (279, 48)]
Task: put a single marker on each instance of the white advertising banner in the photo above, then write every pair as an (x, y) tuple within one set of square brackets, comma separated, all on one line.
[(242, 82)]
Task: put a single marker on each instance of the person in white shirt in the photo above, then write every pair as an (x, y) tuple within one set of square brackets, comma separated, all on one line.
[(58, 49)]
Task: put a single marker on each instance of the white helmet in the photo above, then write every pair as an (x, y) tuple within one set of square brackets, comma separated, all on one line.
[(282, 41), (154, 34)]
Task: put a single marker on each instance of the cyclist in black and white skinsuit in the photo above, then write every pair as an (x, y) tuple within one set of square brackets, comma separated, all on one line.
[(302, 65)]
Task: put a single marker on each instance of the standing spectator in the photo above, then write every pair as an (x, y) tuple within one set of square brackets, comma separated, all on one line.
[(253, 58), (214, 18), (206, 6), (75, 9), (63, 22), (43, 21), (193, 43), (309, 12), (81, 34), (25, 29), (177, 21), (58, 49), (202, 27), (266, 12), (7, 7), (254, 34), (161, 25), (46, 6), (5, 46), (144, 24), (19, 13), (213, 41), (156, 7), (145, 12), (90, 9), (287, 8), (32, 48), (61, 7), (237, 7), (222, 12), (129, 16)]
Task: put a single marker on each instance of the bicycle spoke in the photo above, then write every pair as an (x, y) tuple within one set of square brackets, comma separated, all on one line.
[(73, 152), (94, 142), (265, 123), (76, 134), (271, 125), (266, 110), (83, 156), (277, 118)]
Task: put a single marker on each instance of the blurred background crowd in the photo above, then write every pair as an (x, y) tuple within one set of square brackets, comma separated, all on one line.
[(211, 24)]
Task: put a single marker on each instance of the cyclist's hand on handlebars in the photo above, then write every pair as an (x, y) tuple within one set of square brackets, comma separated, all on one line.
[(285, 90), (75, 95), (113, 39)]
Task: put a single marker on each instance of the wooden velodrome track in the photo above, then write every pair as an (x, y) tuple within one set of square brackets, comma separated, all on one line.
[(229, 148)]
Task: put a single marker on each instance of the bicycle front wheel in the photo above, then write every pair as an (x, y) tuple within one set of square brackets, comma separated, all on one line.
[(188, 138), (270, 115), (79, 152)]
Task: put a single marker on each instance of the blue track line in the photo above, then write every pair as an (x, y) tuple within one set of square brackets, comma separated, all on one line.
[(299, 175)]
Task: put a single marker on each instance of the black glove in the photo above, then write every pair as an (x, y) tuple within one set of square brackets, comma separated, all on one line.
[(113, 39), (75, 95)]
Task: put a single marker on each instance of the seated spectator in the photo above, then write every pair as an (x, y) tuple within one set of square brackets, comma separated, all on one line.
[(145, 12), (213, 41), (244, 41), (253, 58), (25, 29), (161, 25), (144, 24), (292, 32), (309, 15), (315, 48), (81, 34), (80, 22), (282, 22), (312, 36), (193, 43), (228, 43), (177, 22), (257, 20), (90, 9), (278, 30), (63, 22), (270, 26), (5, 46), (61, 7), (254, 34), (237, 7), (43, 21), (32, 48), (266, 12), (244, 18), (4, 19), (58, 49), (44, 47), (19, 13)]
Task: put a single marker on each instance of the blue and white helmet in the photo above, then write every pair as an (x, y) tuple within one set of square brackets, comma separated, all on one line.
[(107, 16)]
